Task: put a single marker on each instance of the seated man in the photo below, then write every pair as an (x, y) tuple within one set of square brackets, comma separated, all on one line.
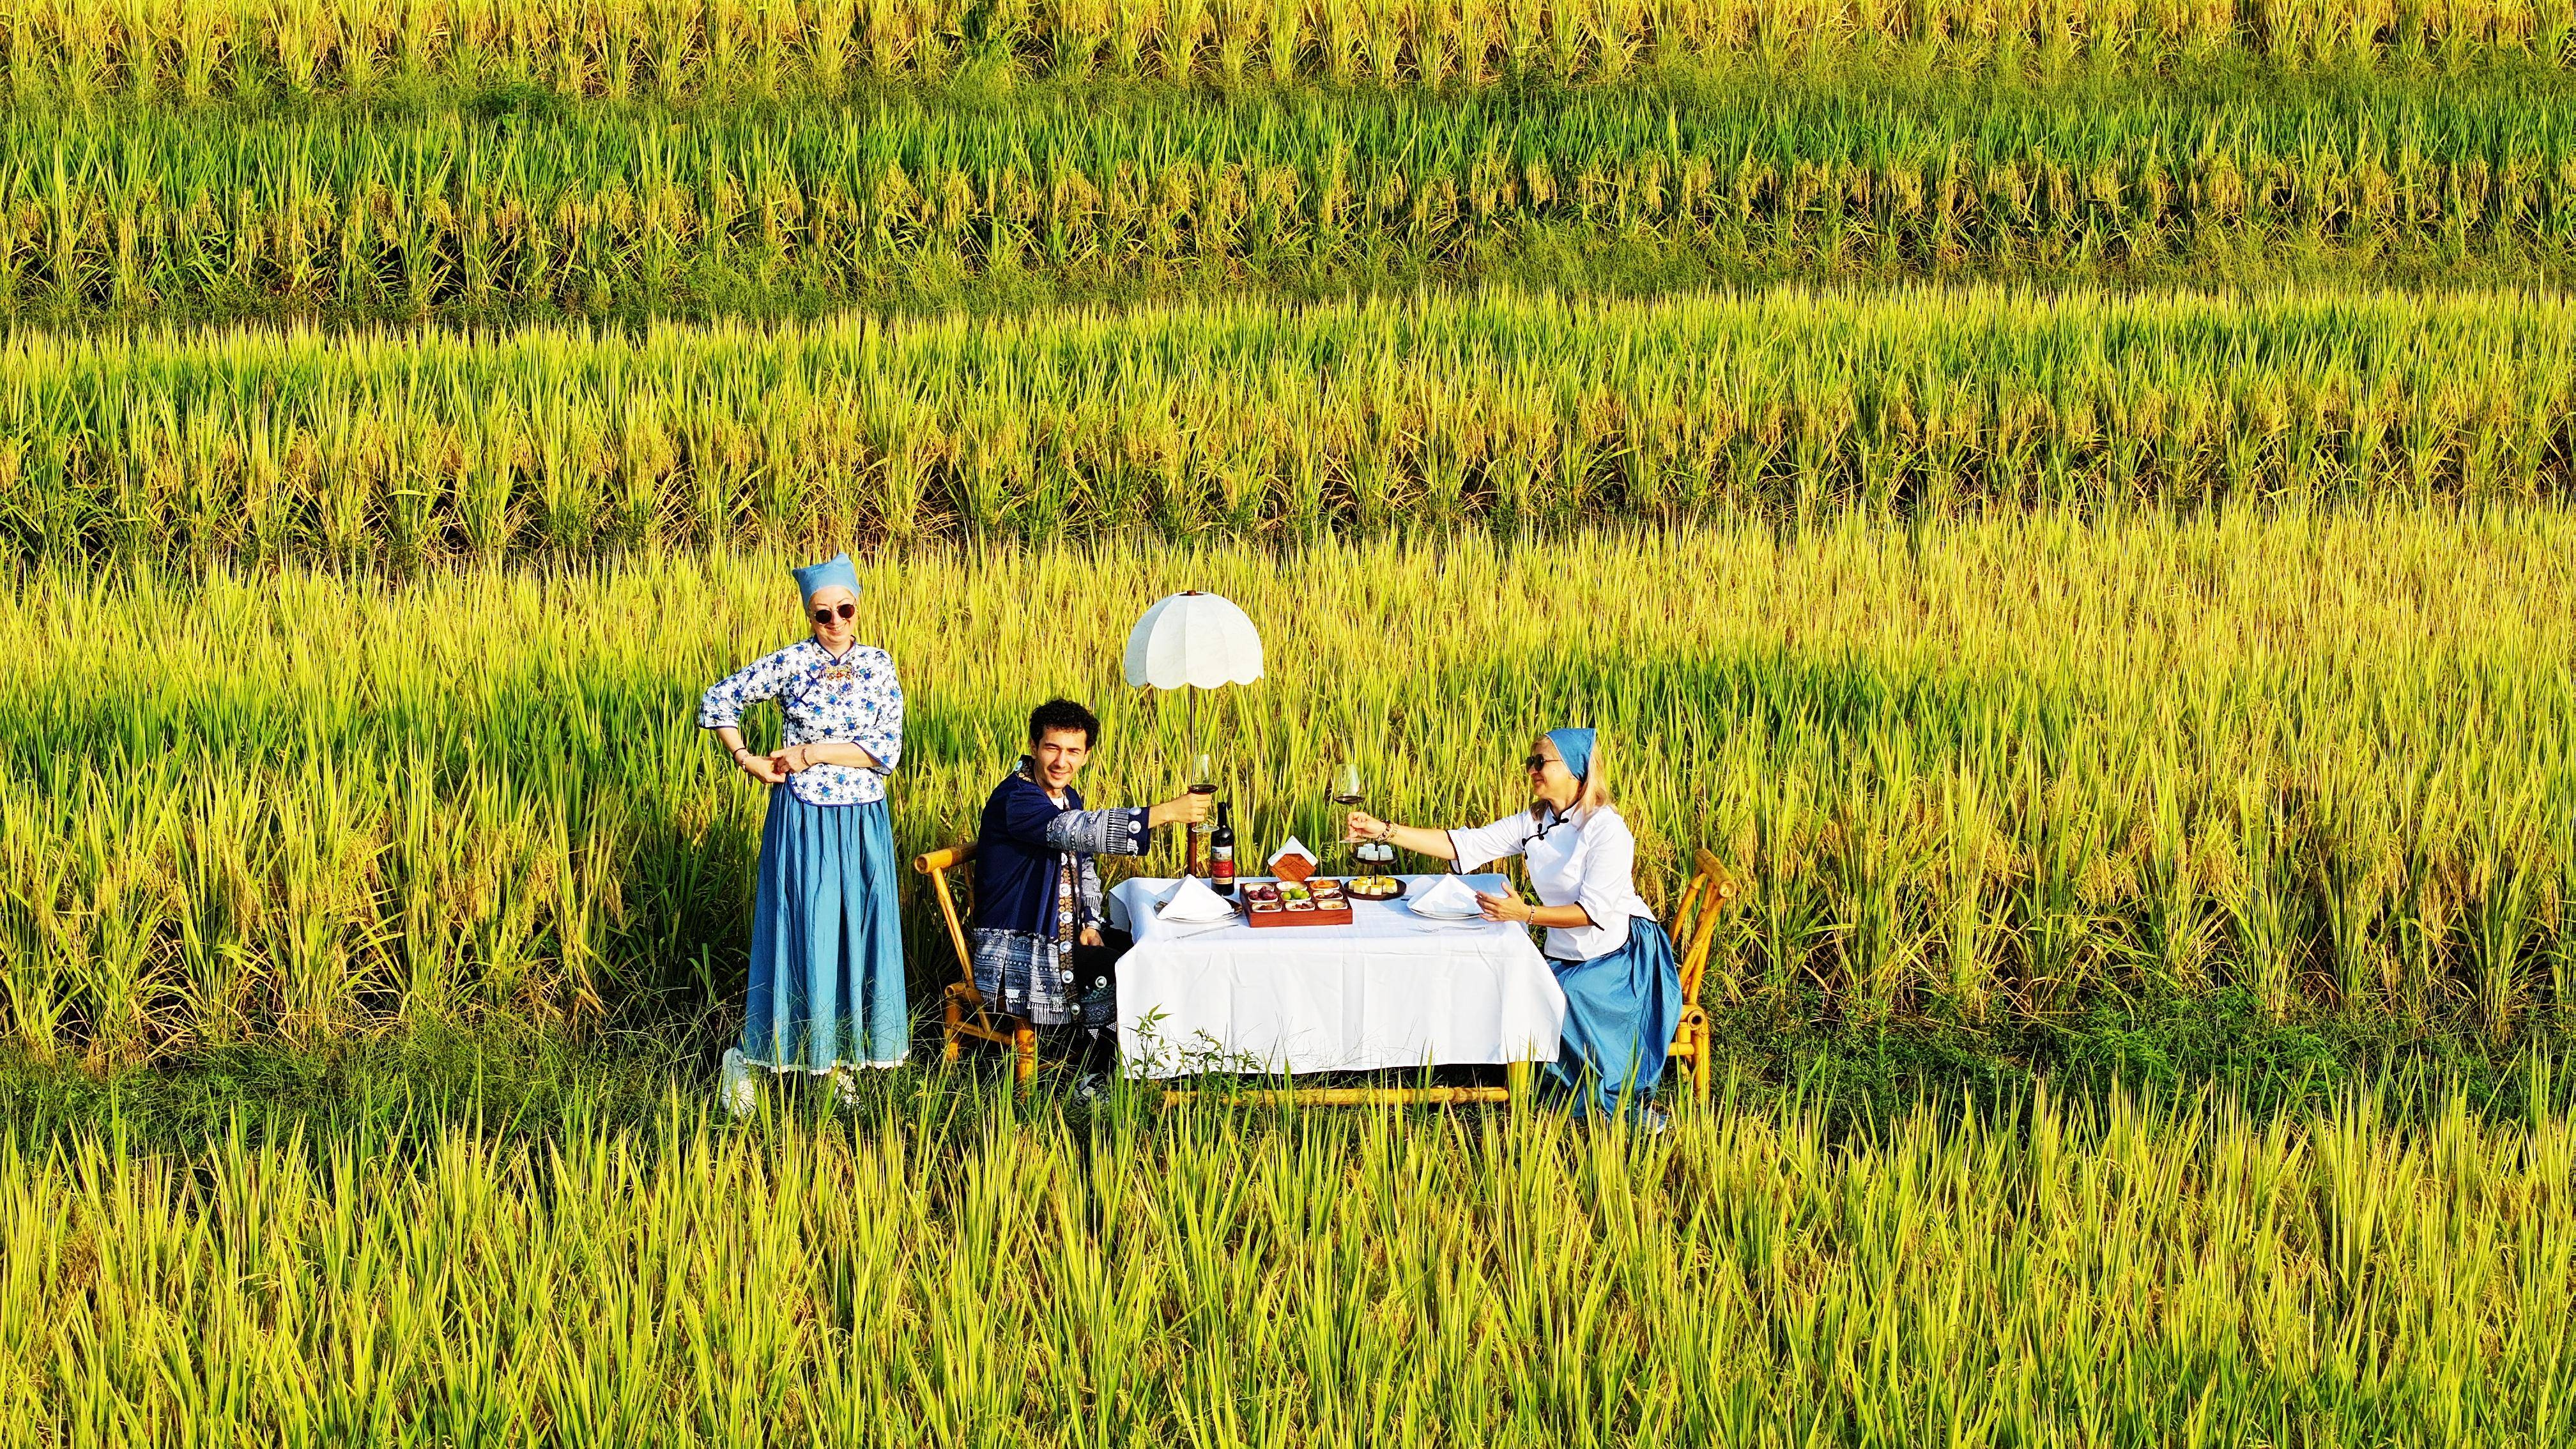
[(1039, 931)]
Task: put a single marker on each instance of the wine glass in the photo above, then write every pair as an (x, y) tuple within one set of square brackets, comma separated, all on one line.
[(1203, 782), (1347, 793)]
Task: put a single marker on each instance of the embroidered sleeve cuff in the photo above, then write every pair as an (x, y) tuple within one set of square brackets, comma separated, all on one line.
[(1086, 832)]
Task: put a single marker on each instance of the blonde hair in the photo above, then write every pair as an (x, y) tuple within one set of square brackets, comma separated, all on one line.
[(1595, 794)]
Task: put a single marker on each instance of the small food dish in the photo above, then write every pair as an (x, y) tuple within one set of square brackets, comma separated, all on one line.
[(1264, 908), (1301, 904), (1373, 887)]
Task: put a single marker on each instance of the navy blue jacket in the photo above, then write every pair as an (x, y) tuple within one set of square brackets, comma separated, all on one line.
[(1016, 846)]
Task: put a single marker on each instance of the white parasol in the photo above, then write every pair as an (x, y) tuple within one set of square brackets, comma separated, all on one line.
[(1193, 641)]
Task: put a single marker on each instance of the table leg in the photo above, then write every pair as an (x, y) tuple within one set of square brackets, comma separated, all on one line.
[(1349, 1096), (1024, 1055)]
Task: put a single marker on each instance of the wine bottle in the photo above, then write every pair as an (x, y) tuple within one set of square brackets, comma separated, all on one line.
[(1221, 850)]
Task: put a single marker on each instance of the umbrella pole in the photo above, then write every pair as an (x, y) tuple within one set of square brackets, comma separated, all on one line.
[(1188, 777), (1191, 832)]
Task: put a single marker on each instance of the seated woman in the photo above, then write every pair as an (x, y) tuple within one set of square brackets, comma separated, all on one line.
[(1623, 994)]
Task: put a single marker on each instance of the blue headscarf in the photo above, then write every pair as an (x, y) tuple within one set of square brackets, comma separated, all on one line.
[(1576, 747), (815, 578)]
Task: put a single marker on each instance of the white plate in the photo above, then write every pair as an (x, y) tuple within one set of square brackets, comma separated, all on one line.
[(1444, 915)]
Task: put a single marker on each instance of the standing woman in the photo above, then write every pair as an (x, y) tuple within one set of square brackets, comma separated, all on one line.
[(826, 991), (1623, 994)]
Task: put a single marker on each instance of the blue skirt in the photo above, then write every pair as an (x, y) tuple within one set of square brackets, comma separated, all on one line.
[(826, 984), (1621, 1010)]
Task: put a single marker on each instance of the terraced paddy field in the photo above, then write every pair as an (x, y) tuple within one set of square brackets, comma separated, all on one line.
[(1988, 771), (2121, 1274), (924, 201), (2067, 500), (1510, 414)]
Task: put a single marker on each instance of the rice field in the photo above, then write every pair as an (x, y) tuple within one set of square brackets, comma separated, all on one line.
[(2068, 499), (260, 50), (1512, 413), (1996, 770), (603, 212), (2157, 1273)]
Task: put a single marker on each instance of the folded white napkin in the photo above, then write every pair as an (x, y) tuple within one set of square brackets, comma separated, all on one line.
[(1191, 901), (1287, 848), (1449, 898)]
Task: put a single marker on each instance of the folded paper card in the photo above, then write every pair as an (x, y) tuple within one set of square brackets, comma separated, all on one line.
[(1450, 897), (1191, 902), (1292, 861)]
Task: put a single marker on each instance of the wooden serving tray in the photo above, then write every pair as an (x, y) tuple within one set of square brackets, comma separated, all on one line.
[(1285, 917)]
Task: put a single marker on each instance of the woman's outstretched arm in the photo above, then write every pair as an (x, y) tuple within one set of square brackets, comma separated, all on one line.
[(1364, 826)]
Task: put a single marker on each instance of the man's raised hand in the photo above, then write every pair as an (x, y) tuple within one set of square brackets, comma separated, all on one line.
[(1184, 809)]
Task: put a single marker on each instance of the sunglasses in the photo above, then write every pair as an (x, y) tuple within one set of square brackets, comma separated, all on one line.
[(1536, 764), (828, 612)]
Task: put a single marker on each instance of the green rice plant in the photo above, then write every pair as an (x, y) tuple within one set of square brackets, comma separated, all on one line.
[(2044, 900), (1964, 912), (1519, 413), (1875, 865), (2175, 927), (2268, 915), (2502, 890), (2558, 902), (2350, 884), (608, 212), (247, 49)]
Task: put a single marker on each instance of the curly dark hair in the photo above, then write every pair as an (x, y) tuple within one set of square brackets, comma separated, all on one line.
[(1063, 714)]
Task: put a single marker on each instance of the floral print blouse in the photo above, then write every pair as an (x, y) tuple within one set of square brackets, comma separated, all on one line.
[(853, 699)]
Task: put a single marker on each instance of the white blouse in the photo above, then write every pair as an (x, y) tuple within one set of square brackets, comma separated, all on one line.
[(1589, 861)]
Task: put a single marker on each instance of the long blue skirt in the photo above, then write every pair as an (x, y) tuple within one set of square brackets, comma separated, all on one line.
[(826, 940), (1620, 1013)]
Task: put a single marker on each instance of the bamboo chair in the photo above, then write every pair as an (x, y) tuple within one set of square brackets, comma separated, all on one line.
[(1705, 901), (963, 1011)]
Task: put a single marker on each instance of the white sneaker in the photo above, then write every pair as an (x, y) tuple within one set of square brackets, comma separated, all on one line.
[(1655, 1120), (845, 1086), (734, 1085)]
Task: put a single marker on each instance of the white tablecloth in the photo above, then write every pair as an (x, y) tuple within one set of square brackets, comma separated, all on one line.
[(1388, 991)]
